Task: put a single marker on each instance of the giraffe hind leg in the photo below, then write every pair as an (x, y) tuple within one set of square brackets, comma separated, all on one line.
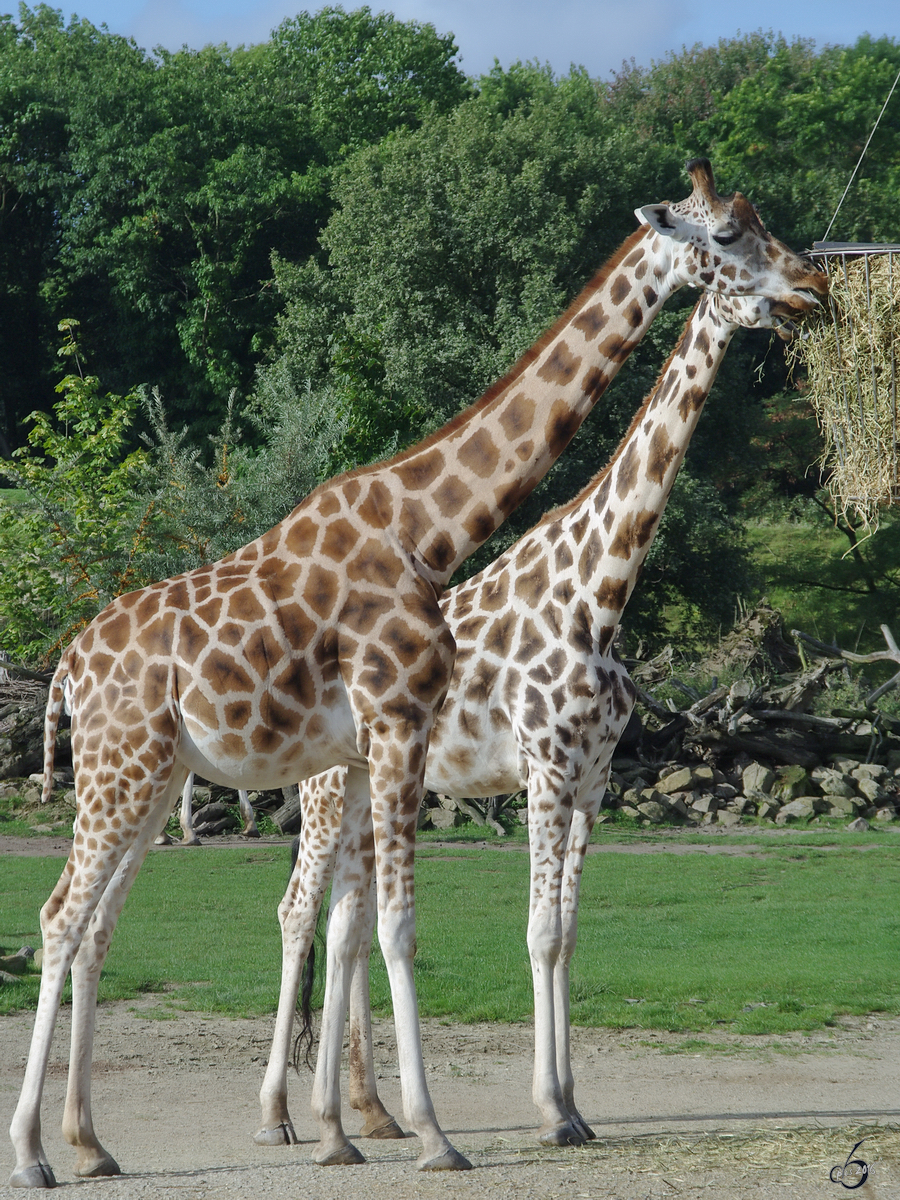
[(65, 919), (91, 1158)]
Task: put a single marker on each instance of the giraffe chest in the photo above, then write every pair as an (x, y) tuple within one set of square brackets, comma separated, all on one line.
[(502, 720)]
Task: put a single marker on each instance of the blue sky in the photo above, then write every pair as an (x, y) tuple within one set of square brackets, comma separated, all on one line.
[(597, 34)]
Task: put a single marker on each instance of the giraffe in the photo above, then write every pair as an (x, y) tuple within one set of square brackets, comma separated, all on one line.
[(186, 817), (322, 642), (537, 701)]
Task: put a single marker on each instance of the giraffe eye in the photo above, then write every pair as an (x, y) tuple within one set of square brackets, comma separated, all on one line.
[(726, 239)]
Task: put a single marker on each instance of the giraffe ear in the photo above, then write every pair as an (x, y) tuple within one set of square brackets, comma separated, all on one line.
[(660, 217)]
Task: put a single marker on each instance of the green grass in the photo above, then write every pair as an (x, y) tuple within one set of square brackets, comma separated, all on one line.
[(787, 939), (818, 588), (16, 821)]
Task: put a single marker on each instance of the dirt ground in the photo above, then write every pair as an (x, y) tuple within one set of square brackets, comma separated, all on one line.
[(175, 1101)]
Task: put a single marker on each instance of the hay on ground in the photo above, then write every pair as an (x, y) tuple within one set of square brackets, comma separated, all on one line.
[(852, 360)]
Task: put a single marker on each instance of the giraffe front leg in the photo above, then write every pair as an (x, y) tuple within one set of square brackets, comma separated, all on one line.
[(186, 815), (395, 832)]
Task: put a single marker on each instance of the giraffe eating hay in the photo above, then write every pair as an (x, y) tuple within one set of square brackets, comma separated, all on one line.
[(322, 642), (537, 700)]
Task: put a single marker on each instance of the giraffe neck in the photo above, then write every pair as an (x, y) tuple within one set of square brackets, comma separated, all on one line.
[(458, 486), (587, 554)]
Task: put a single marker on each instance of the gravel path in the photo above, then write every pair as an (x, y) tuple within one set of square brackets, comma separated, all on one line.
[(175, 1100)]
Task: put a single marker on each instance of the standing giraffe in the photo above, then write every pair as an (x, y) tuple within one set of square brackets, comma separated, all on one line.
[(537, 700), (322, 642)]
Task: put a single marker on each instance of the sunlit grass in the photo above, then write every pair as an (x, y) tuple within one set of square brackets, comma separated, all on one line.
[(803, 929)]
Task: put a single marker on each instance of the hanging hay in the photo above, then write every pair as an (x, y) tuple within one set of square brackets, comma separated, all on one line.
[(852, 360)]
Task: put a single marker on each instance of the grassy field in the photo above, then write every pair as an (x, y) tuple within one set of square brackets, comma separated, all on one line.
[(818, 588), (801, 928)]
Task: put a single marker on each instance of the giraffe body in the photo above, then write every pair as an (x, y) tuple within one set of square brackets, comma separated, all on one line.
[(537, 701), (323, 642)]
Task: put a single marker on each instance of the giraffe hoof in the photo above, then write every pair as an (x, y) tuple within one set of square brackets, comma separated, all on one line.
[(450, 1160), (584, 1129), (344, 1156), (37, 1176), (569, 1134), (390, 1129), (279, 1135), (97, 1167)]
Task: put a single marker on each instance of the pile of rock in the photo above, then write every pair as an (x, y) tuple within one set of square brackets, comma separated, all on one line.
[(847, 790)]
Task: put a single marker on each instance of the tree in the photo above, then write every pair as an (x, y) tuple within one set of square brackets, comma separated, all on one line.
[(147, 193)]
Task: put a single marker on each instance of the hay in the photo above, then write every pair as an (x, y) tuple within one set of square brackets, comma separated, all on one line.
[(852, 360)]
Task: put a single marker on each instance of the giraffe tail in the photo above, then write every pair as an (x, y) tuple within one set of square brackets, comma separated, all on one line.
[(55, 704)]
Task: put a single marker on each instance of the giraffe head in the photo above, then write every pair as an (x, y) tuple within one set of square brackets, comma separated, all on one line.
[(759, 312), (719, 244)]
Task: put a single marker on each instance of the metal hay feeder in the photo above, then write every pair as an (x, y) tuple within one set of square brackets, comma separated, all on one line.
[(853, 361)]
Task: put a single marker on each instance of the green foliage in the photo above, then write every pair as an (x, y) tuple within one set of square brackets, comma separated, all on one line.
[(206, 507), (74, 543), (147, 192), (824, 586), (424, 228), (97, 520)]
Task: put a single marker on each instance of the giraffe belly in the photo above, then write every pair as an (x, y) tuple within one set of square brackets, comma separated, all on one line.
[(473, 769), (257, 759)]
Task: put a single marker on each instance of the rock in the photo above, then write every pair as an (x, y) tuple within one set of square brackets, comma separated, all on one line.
[(768, 810), (654, 812), (757, 778), (705, 776), (888, 813), (870, 770), (449, 818), (841, 806), (678, 781), (727, 819), (630, 812), (835, 783), (15, 964), (801, 809), (725, 792), (860, 825), (870, 788), (747, 804), (705, 804), (791, 782), (677, 806)]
